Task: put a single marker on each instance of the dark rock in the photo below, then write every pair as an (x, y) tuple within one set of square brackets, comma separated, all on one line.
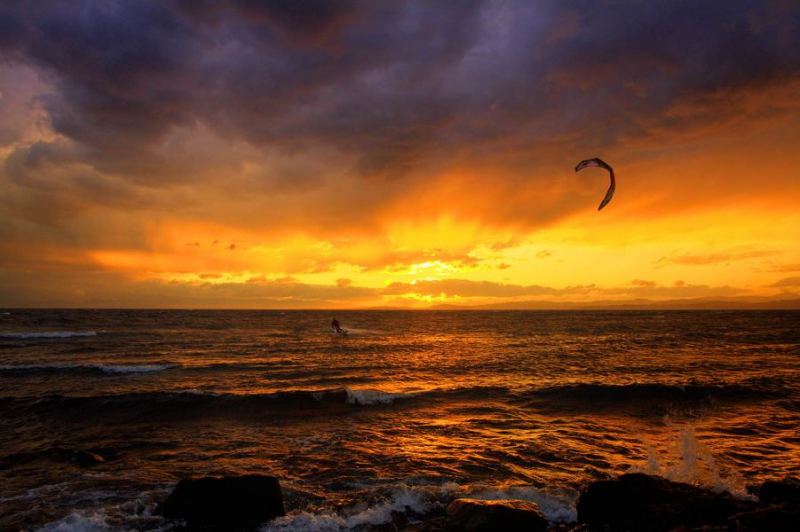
[(227, 503), (436, 524), (569, 527), (87, 459), (780, 491), (641, 502), (478, 515), (777, 518)]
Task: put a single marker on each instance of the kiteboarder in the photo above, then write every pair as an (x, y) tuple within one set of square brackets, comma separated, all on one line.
[(336, 327), (600, 164)]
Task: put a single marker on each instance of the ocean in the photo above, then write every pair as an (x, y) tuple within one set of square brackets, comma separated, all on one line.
[(388, 423)]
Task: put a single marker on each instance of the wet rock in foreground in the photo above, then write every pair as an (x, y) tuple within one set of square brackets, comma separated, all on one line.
[(641, 502), (480, 515), (773, 518), (780, 491), (779, 511), (227, 503)]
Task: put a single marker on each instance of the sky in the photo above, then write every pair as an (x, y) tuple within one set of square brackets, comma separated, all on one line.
[(342, 154)]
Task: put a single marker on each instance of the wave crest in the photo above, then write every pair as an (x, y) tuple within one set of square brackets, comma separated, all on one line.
[(404, 500), (107, 369), (45, 335), (373, 397)]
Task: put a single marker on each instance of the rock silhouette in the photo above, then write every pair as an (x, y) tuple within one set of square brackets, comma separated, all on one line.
[(227, 503), (640, 502), (476, 515)]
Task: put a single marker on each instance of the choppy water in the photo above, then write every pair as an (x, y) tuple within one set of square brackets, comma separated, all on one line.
[(411, 409)]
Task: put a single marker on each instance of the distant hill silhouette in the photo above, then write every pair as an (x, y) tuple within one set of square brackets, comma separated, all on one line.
[(733, 303)]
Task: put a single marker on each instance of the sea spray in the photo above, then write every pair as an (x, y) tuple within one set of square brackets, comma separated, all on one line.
[(691, 462), (404, 499), (136, 513), (556, 507)]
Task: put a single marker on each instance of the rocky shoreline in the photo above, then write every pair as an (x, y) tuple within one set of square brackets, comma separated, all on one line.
[(631, 502)]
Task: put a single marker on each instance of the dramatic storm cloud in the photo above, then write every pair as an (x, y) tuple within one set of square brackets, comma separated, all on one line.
[(395, 142)]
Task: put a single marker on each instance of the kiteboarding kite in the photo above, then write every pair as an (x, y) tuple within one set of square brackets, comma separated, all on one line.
[(600, 164)]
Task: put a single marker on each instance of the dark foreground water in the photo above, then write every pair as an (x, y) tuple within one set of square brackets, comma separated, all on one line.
[(408, 411)]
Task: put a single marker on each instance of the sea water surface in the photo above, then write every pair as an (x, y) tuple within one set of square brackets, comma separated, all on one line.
[(390, 422)]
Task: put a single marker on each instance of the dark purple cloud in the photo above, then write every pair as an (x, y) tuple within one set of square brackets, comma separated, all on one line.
[(396, 84)]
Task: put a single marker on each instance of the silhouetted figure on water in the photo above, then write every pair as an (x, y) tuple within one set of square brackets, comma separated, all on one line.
[(336, 327)]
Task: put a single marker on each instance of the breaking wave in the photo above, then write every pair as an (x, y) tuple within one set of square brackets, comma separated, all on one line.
[(579, 396), (555, 508), (137, 513), (107, 369), (48, 335), (177, 403), (79, 522), (404, 500), (373, 397), (409, 503)]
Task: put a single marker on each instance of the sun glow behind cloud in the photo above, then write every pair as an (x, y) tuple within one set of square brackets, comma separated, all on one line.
[(711, 254)]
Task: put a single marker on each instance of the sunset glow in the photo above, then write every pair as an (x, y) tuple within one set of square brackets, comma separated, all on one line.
[(410, 265), (392, 180)]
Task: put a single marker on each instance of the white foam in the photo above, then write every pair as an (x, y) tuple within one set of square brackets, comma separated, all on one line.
[(306, 522), (554, 508), (77, 522), (46, 335), (372, 397), (142, 368), (107, 368), (196, 391), (35, 493), (420, 500), (133, 514), (353, 330), (401, 500)]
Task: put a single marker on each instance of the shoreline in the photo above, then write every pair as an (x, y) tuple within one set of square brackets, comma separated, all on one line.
[(632, 501)]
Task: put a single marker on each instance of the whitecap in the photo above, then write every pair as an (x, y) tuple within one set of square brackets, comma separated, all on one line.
[(554, 508), (417, 500), (373, 397), (47, 335), (400, 501), (112, 369), (78, 522)]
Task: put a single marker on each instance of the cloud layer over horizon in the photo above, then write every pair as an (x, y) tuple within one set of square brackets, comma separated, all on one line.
[(418, 149)]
